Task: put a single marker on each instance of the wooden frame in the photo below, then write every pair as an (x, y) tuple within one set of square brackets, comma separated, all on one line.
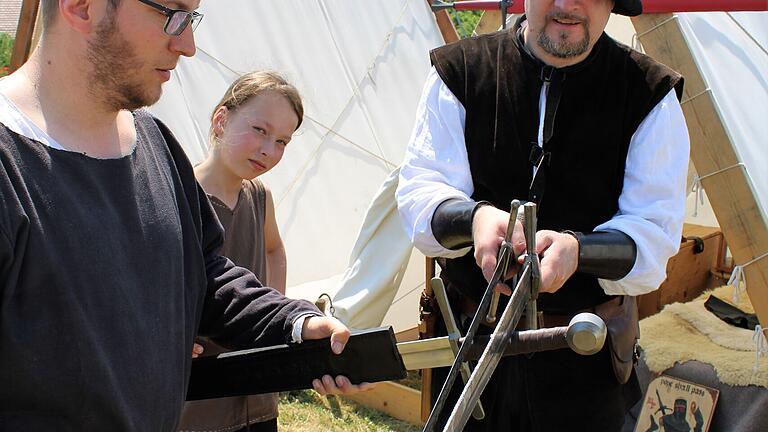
[(27, 32), (729, 192), (444, 23), (689, 272), (397, 400)]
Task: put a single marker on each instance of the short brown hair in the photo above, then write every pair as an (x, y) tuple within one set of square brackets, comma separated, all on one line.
[(255, 83), (49, 8)]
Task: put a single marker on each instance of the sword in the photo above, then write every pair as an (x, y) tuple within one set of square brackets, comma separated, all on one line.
[(293, 367)]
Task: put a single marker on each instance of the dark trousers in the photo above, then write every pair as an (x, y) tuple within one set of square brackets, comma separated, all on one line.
[(549, 391)]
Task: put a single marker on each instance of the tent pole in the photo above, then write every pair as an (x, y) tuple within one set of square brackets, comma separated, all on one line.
[(445, 25), (24, 33)]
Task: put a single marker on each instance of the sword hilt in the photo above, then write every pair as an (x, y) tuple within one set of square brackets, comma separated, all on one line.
[(529, 228), (506, 252)]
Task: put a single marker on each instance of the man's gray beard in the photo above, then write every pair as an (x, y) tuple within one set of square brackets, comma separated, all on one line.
[(113, 62), (563, 49)]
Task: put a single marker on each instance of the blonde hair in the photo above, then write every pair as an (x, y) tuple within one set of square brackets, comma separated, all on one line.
[(253, 84)]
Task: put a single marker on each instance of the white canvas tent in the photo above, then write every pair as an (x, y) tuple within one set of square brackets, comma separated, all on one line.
[(360, 67)]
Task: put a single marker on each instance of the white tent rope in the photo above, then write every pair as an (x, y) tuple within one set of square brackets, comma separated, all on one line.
[(762, 48), (408, 293), (348, 74), (369, 70), (706, 90), (761, 346), (328, 129), (698, 189), (238, 73), (355, 93), (738, 279)]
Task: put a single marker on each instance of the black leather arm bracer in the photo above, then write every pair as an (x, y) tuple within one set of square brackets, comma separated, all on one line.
[(452, 223), (605, 254)]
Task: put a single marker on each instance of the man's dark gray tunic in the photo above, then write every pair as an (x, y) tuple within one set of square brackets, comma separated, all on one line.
[(107, 270)]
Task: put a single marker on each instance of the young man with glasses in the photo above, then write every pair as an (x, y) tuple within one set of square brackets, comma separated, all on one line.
[(108, 246)]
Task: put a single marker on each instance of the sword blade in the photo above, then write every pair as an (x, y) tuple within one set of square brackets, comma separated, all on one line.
[(493, 352)]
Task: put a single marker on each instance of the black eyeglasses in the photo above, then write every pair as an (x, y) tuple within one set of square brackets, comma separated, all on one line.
[(177, 19)]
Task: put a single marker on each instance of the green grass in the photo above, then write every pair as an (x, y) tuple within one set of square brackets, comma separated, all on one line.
[(413, 380), (306, 411), (6, 47)]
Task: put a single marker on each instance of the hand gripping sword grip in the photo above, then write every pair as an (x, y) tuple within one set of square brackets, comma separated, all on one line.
[(506, 254)]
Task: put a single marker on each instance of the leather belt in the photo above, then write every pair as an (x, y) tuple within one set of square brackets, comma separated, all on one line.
[(467, 307)]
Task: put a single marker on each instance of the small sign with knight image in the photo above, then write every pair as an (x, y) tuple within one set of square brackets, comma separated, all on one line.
[(674, 405)]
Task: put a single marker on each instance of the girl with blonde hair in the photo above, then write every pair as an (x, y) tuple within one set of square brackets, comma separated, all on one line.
[(250, 129)]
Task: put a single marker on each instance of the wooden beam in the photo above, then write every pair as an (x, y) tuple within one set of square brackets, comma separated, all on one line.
[(397, 400), (410, 334), (24, 33), (447, 29), (426, 374), (445, 24), (730, 194), (489, 22)]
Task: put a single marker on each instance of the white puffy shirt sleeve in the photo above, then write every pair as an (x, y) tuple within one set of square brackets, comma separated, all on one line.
[(435, 167), (652, 201)]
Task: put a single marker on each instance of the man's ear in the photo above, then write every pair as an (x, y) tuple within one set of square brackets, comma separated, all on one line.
[(219, 120), (82, 15)]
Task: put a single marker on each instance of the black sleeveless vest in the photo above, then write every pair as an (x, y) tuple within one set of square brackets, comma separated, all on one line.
[(603, 101)]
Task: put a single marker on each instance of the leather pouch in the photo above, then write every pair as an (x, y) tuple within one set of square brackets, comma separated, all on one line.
[(623, 332)]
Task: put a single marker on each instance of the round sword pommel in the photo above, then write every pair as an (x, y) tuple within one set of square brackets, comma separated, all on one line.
[(586, 333)]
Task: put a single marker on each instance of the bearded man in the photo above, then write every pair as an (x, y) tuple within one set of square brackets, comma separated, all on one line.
[(556, 112), (109, 260)]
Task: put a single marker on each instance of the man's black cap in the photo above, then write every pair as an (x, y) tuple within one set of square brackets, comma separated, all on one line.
[(628, 7)]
